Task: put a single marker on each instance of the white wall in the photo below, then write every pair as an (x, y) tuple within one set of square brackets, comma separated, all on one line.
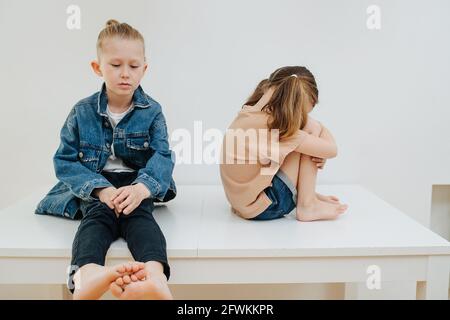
[(383, 93)]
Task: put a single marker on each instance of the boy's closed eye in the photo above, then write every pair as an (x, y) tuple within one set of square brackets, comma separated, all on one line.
[(118, 65)]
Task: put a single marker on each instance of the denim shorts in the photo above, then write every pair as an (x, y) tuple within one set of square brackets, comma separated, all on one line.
[(283, 195)]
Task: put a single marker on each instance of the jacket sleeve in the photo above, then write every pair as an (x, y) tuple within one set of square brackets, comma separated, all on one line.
[(157, 173), (69, 170)]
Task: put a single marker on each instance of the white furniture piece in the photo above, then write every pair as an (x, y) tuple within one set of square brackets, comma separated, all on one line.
[(373, 248)]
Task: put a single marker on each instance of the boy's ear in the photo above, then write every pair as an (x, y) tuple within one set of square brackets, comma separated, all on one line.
[(96, 67)]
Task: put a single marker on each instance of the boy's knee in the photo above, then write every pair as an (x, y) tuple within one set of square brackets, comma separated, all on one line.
[(99, 210)]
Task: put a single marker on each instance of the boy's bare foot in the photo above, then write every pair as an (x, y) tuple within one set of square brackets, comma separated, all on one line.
[(153, 288), (149, 283), (118, 286), (93, 280), (330, 199), (319, 210)]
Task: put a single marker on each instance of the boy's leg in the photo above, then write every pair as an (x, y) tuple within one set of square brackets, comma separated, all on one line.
[(147, 244), (97, 230)]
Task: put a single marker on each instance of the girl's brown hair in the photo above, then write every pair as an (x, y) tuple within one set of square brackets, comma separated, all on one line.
[(123, 30), (294, 87)]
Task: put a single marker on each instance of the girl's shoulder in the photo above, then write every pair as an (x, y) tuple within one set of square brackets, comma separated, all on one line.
[(250, 117), (253, 112), (249, 108)]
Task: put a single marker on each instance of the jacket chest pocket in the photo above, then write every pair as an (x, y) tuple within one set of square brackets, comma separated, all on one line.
[(89, 157), (138, 148)]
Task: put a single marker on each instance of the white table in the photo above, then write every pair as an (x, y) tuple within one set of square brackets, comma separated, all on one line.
[(207, 244), (36, 249)]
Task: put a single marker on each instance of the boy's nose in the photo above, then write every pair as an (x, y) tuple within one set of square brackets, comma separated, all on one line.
[(124, 73)]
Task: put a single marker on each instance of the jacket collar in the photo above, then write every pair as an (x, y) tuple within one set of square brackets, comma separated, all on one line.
[(139, 100)]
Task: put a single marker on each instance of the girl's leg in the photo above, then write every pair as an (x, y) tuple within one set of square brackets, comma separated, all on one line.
[(302, 172), (309, 207), (306, 183), (290, 168)]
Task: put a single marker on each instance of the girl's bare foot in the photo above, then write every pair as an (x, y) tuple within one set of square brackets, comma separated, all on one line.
[(93, 280), (330, 199), (319, 210)]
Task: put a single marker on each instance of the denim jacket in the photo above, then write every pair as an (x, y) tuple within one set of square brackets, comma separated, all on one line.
[(140, 139)]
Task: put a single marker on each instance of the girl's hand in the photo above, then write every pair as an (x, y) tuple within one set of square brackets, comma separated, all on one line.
[(130, 197), (320, 163)]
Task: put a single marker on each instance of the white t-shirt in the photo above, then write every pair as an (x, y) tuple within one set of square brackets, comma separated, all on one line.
[(115, 164)]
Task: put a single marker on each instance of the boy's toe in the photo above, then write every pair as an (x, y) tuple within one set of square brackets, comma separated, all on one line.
[(119, 281), (136, 267), (126, 279), (140, 274), (120, 269), (115, 290)]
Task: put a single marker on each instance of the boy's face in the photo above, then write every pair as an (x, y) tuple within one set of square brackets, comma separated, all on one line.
[(122, 65)]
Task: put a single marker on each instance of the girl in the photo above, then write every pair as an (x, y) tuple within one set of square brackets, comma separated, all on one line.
[(264, 180), (113, 163)]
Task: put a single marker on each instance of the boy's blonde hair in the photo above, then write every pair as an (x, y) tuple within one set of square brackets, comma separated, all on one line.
[(294, 87), (123, 30)]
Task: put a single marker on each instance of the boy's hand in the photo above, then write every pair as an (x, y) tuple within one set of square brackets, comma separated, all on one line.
[(107, 195), (130, 197)]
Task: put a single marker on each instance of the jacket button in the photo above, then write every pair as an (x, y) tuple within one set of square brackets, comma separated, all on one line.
[(66, 214), (81, 155), (107, 145), (145, 144), (106, 124)]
